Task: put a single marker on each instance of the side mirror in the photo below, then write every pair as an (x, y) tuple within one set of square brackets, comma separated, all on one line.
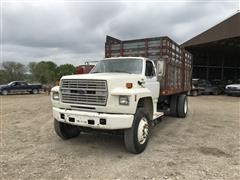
[(161, 69)]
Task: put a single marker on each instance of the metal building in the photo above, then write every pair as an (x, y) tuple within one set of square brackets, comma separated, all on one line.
[(216, 52)]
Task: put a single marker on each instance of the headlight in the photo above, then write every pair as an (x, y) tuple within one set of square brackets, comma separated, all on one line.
[(123, 100), (55, 95)]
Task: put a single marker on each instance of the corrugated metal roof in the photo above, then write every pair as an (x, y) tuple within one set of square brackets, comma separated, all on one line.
[(226, 29)]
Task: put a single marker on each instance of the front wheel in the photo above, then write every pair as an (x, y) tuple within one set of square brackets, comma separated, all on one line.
[(65, 131), (4, 92), (136, 138)]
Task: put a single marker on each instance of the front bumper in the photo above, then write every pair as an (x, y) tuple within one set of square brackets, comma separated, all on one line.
[(93, 119)]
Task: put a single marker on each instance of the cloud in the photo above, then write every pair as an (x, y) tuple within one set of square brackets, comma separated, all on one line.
[(71, 32)]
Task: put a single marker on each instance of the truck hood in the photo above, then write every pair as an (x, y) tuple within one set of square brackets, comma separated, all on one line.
[(3, 85), (105, 76)]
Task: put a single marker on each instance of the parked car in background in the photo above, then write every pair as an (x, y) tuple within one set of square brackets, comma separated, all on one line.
[(233, 89), (19, 87), (195, 91), (221, 84), (202, 86), (207, 87)]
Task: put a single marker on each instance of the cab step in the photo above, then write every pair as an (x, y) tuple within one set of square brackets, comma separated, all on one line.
[(157, 118), (157, 115)]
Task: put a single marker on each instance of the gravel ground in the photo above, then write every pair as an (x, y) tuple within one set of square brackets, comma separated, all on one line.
[(205, 145)]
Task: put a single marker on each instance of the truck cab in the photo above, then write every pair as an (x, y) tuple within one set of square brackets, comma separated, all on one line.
[(119, 94)]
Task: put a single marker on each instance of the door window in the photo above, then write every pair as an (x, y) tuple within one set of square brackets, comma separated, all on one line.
[(22, 83), (150, 71)]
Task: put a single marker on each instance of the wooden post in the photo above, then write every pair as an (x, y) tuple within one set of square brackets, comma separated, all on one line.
[(207, 71), (222, 69)]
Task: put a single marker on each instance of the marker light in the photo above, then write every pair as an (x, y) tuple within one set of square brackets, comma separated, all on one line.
[(129, 85)]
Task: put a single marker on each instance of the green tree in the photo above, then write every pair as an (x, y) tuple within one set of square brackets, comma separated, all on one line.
[(43, 72), (31, 67), (12, 71), (65, 69), (32, 71), (2, 77)]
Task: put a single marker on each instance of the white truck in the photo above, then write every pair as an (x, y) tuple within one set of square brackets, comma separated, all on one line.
[(120, 93)]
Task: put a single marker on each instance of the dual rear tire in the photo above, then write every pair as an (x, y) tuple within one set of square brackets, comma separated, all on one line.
[(179, 105)]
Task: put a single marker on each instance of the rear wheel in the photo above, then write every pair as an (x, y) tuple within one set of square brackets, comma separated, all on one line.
[(65, 131), (136, 137), (35, 91), (182, 106), (4, 92)]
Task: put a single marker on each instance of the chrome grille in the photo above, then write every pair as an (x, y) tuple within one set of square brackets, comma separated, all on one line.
[(84, 91)]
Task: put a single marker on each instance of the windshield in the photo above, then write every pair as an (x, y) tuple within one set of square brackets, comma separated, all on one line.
[(10, 83), (131, 66)]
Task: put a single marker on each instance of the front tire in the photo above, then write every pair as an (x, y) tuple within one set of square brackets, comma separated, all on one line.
[(65, 131), (136, 137), (4, 92)]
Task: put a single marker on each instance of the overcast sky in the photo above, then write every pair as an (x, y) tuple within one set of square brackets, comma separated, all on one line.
[(72, 32)]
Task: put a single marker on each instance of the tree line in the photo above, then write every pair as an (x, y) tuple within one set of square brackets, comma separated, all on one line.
[(44, 72)]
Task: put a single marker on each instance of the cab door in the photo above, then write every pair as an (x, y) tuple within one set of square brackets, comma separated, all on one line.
[(23, 87), (151, 80), (14, 87)]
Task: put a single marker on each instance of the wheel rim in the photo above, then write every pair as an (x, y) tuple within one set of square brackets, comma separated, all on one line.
[(34, 91), (4, 92), (143, 129), (185, 106)]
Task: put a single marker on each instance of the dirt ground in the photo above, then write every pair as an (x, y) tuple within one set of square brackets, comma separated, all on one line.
[(205, 145)]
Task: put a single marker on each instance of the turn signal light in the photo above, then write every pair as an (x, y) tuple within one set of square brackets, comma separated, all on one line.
[(129, 85)]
